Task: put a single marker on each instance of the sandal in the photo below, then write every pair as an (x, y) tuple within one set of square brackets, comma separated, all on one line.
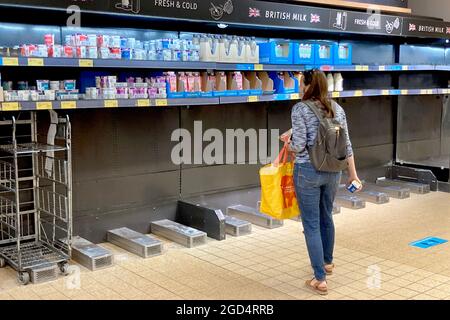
[(316, 287), (329, 269)]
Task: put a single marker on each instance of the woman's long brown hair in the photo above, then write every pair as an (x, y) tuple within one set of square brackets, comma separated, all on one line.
[(318, 91)]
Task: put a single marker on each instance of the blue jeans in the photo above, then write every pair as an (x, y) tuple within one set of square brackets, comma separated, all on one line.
[(316, 192)]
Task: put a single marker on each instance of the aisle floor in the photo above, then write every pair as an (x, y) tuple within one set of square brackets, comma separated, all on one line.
[(373, 257)]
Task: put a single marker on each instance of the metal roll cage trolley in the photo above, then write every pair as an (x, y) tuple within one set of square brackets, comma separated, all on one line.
[(35, 197)]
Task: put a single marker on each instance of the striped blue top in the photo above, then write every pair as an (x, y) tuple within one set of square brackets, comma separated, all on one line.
[(305, 126)]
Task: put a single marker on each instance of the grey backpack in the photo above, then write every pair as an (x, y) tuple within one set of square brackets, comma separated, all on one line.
[(329, 152)]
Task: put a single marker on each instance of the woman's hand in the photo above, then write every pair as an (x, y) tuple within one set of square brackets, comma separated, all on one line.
[(354, 178), (286, 137)]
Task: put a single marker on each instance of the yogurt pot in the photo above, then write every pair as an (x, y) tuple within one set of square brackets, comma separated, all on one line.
[(354, 186)]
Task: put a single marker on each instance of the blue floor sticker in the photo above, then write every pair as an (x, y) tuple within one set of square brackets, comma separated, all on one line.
[(428, 243)]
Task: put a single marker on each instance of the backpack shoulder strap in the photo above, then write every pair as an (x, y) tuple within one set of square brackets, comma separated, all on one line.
[(314, 109), (334, 105)]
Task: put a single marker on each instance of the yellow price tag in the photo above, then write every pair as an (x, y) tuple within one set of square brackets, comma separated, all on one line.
[(10, 106), (365, 68), (253, 99), (423, 91), (161, 102), (405, 68), (35, 62), (111, 103), (295, 96), (446, 91), (358, 93), (143, 103), (382, 68), (10, 61), (359, 68), (86, 63), (45, 105), (68, 104), (404, 92), (430, 91), (259, 67), (385, 92), (336, 94)]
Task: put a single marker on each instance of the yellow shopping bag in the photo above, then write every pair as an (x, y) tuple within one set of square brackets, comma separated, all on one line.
[(278, 198)]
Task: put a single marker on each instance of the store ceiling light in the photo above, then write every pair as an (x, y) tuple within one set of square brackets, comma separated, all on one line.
[(222, 25)]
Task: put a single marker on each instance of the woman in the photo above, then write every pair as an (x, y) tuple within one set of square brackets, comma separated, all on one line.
[(316, 190)]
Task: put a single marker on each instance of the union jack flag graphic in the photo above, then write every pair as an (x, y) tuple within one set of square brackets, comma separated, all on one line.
[(412, 27), (315, 18), (254, 13)]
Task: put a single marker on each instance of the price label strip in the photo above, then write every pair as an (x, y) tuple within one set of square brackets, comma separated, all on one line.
[(35, 62), (86, 63), (143, 103), (10, 106), (10, 61), (45, 105), (68, 104), (295, 96), (161, 102), (253, 99), (111, 104)]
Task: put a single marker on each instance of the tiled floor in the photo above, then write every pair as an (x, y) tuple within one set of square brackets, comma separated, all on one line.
[(373, 258)]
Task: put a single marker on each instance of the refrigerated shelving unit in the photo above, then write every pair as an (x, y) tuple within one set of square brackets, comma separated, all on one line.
[(395, 79)]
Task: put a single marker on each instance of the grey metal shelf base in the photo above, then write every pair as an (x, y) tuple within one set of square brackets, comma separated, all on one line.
[(237, 227), (376, 197), (336, 209), (135, 242), (396, 192), (176, 232), (418, 188), (91, 256), (254, 216), (44, 274), (350, 202)]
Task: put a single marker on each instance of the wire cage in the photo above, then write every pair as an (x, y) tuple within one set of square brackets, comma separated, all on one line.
[(35, 195)]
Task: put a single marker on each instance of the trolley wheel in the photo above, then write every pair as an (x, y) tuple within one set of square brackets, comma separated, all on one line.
[(2, 263), (64, 268), (23, 278)]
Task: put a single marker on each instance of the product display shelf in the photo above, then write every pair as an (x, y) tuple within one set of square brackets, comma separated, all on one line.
[(129, 103), (103, 63), (388, 92), (183, 65), (379, 68)]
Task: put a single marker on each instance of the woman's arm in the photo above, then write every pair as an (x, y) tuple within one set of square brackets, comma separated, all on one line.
[(352, 173), (298, 137)]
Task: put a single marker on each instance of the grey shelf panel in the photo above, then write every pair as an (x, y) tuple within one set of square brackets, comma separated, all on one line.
[(135, 242), (90, 255), (253, 216), (418, 188)]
